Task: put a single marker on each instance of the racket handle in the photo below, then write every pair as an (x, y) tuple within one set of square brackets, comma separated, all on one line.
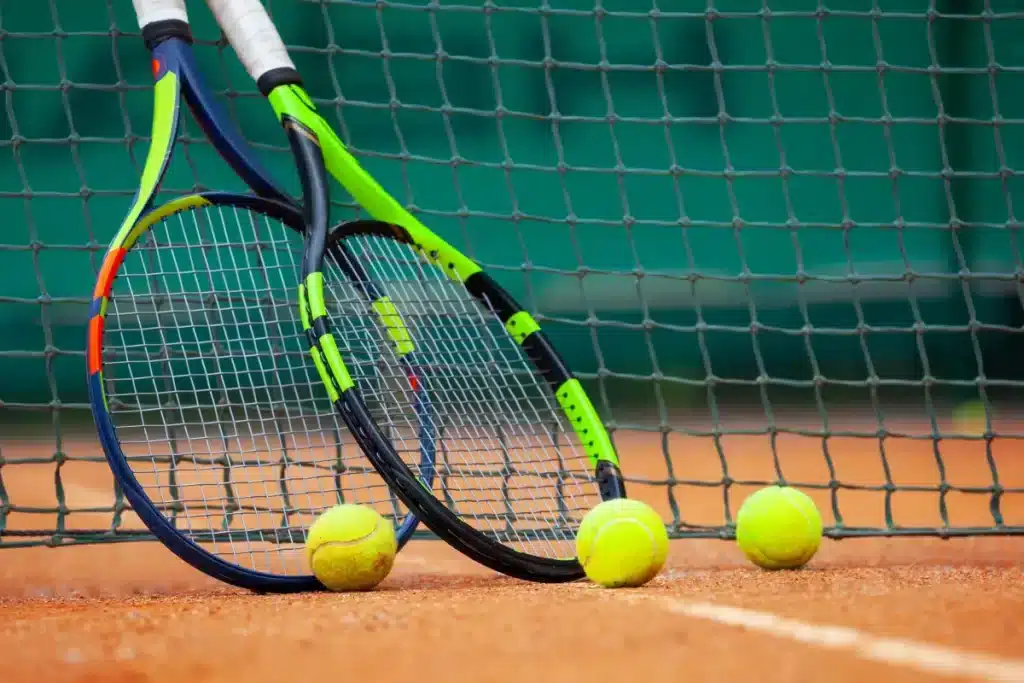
[(253, 35), (152, 11)]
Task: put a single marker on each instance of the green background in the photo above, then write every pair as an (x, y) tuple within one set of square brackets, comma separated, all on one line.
[(683, 199)]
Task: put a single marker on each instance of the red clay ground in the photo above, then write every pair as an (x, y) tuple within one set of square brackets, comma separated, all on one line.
[(133, 612)]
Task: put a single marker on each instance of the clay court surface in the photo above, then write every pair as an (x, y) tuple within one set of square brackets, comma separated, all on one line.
[(894, 609)]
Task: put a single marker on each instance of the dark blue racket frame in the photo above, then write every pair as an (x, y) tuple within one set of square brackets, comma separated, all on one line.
[(170, 44)]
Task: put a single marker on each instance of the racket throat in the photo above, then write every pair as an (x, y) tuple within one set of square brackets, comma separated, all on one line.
[(609, 481), (312, 174)]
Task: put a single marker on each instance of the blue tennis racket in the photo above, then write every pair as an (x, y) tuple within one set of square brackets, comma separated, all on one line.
[(210, 414)]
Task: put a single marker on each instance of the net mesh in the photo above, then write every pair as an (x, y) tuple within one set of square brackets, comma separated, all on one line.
[(778, 240)]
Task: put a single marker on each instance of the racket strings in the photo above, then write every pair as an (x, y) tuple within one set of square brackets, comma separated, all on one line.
[(507, 460), (218, 409)]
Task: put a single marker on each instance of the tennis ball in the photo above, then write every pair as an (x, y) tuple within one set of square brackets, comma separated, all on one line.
[(622, 543), (969, 418), (778, 527), (351, 548)]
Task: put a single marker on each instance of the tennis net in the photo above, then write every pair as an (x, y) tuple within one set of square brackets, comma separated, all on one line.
[(778, 239)]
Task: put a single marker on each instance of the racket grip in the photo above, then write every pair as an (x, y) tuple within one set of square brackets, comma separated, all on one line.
[(152, 11), (253, 35)]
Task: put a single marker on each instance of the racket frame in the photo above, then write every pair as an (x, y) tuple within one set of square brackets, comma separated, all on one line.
[(177, 78)]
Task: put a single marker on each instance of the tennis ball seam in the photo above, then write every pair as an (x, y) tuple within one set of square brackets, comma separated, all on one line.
[(803, 513), (351, 542), (612, 522), (804, 547), (811, 548)]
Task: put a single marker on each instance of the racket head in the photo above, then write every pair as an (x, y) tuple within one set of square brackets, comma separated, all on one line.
[(521, 452), (206, 405)]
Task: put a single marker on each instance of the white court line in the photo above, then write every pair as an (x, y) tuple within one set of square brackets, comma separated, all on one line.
[(934, 659), (923, 657)]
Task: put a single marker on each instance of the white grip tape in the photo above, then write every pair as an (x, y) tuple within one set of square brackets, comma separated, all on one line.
[(253, 35), (150, 11)]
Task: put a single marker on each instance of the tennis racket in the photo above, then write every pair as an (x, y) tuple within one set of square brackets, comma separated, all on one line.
[(209, 412), (522, 453)]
